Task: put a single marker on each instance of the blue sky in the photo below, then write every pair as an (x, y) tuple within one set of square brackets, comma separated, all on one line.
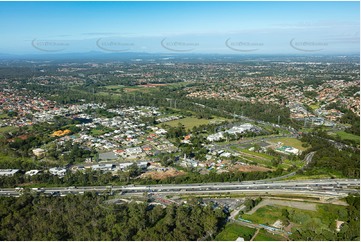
[(166, 27)]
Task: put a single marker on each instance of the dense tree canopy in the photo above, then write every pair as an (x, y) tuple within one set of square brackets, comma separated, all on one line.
[(327, 157), (89, 217)]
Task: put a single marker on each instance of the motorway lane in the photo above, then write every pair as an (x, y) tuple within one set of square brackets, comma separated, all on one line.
[(335, 186)]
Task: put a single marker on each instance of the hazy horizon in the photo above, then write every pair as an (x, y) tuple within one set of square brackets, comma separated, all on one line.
[(260, 28)]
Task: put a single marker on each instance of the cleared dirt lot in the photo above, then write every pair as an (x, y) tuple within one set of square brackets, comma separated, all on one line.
[(250, 168), (160, 175), (292, 204)]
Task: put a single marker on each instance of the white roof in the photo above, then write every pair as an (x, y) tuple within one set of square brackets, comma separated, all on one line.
[(125, 164), (57, 169), (38, 150), (8, 171), (32, 172), (102, 166)]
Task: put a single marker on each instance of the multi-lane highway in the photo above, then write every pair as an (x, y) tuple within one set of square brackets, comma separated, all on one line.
[(329, 187)]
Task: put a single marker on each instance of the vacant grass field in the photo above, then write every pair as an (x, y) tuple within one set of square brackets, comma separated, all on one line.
[(3, 116), (262, 155), (263, 235), (264, 215), (321, 219), (139, 89), (348, 136), (142, 88), (7, 129), (114, 93), (253, 156), (232, 231), (258, 161), (310, 177), (314, 106), (115, 87), (289, 142), (98, 132), (120, 88), (190, 122), (298, 163)]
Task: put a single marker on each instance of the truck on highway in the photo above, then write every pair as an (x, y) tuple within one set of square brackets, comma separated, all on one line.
[(37, 189), (19, 189)]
